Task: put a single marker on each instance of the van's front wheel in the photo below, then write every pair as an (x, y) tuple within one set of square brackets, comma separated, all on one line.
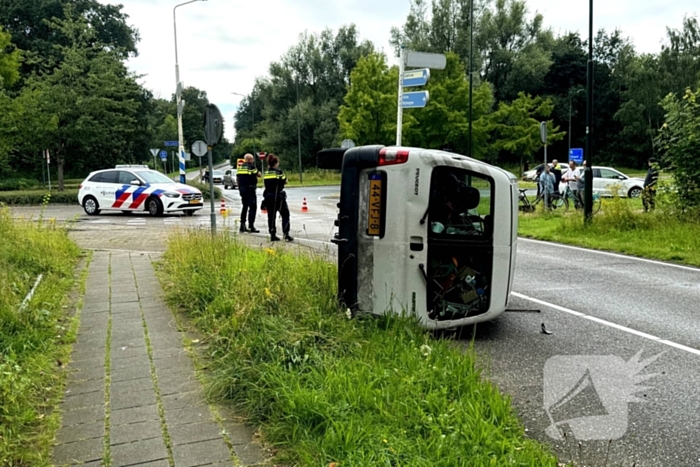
[(154, 207)]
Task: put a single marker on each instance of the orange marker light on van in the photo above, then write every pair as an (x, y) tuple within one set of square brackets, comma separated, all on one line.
[(392, 156)]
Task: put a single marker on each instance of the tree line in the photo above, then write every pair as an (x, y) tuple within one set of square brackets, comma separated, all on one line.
[(64, 86), (523, 74)]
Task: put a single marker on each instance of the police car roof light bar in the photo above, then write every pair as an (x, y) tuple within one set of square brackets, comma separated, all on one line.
[(392, 156)]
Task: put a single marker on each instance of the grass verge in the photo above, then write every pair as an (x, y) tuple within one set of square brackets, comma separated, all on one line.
[(327, 389), (313, 178), (621, 226), (34, 339)]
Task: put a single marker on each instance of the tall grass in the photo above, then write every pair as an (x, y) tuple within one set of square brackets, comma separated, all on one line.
[(622, 226), (325, 388), (33, 338)]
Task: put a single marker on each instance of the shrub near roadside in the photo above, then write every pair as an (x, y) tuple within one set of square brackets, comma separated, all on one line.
[(329, 389), (33, 338)]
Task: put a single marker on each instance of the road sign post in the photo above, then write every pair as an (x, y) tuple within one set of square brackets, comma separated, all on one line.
[(412, 78), (415, 100), (416, 77), (576, 155), (154, 151), (213, 130), (164, 158)]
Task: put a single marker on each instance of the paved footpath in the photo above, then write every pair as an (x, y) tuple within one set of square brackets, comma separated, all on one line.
[(132, 397)]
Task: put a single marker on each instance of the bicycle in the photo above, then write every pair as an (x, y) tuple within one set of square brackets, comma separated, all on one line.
[(556, 201), (569, 195)]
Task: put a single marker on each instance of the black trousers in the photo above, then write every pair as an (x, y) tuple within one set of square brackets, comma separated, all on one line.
[(275, 205), (250, 206)]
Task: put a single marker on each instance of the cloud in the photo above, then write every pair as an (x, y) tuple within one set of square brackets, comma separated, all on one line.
[(220, 66)]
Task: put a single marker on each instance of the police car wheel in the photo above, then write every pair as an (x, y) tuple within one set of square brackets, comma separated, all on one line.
[(90, 205), (154, 206)]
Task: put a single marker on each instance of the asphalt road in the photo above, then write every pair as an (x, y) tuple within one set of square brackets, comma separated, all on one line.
[(601, 309)]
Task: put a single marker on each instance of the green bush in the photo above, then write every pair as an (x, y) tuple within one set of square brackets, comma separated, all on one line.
[(325, 388), (34, 197), (18, 184), (33, 339)]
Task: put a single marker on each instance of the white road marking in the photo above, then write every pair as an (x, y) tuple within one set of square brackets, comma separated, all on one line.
[(608, 323), (615, 255), (101, 221)]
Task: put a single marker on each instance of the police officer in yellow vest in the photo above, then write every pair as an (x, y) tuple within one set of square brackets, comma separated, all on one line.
[(276, 199), (247, 177)]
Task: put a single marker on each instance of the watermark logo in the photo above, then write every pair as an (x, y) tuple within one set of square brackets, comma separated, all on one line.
[(590, 393)]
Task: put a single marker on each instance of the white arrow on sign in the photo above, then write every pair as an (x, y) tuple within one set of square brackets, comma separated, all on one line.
[(154, 152)]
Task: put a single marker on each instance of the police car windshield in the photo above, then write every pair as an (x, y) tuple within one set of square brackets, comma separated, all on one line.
[(151, 176)]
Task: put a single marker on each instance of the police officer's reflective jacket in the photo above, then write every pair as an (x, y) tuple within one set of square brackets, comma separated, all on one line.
[(275, 180), (247, 176)]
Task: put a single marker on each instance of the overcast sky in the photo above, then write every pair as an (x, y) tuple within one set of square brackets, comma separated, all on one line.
[(223, 45)]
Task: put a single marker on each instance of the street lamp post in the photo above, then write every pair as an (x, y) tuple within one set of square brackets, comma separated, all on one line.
[(299, 122), (180, 102), (471, 72), (588, 188), (571, 97)]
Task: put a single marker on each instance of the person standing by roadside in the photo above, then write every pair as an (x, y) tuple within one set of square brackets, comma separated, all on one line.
[(275, 199), (556, 170), (547, 179), (571, 178), (247, 178), (649, 191)]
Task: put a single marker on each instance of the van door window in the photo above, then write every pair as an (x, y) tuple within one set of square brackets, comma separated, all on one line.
[(460, 204)]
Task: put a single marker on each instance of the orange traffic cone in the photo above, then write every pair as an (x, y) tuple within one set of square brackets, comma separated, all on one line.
[(222, 210), (304, 207)]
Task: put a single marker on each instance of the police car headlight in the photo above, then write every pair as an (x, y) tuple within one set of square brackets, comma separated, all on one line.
[(171, 194)]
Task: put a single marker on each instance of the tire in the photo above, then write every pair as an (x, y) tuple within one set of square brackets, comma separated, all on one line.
[(91, 206), (330, 159), (635, 192), (154, 207), (189, 212)]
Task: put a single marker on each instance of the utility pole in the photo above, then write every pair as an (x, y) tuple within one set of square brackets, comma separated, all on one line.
[(399, 115), (299, 121), (588, 192), (471, 71)]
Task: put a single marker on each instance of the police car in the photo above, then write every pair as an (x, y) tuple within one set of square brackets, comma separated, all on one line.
[(129, 188)]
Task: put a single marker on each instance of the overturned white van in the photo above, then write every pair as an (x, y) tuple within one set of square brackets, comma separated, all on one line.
[(424, 232)]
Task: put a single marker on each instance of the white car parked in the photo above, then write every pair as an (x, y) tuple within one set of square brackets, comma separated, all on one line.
[(129, 188), (605, 178)]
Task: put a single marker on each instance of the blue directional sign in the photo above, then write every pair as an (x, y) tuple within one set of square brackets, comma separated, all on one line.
[(416, 77), (576, 155), (171, 144), (163, 155), (413, 100)]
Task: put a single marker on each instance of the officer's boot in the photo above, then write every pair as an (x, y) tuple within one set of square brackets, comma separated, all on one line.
[(273, 236), (242, 229), (288, 238), (252, 229)]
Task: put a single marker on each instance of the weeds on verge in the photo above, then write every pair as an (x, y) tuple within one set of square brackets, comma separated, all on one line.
[(325, 388), (32, 340), (621, 225)]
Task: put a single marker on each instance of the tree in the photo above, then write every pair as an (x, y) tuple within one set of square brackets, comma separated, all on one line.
[(10, 58), (29, 23), (517, 126), (368, 115), (679, 145), (515, 52), (96, 104)]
